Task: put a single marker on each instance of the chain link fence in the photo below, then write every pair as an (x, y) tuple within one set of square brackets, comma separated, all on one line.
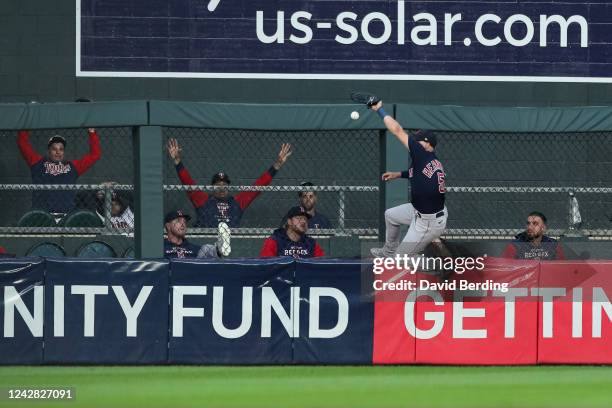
[(343, 166), (92, 194), (495, 179)]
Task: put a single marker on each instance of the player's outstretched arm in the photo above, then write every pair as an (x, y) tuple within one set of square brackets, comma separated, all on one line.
[(391, 175), (392, 125)]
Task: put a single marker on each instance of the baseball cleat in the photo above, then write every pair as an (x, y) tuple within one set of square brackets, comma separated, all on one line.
[(377, 252)]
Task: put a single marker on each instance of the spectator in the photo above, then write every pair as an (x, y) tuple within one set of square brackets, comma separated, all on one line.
[(177, 246), (532, 243), (122, 216), (52, 169), (292, 239), (121, 213), (222, 207), (2, 250), (308, 200)]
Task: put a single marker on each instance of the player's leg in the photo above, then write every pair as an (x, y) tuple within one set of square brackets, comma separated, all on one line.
[(394, 218), (421, 233)]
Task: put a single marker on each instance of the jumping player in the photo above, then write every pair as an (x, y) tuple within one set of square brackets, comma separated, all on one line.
[(52, 169), (425, 214), (222, 207)]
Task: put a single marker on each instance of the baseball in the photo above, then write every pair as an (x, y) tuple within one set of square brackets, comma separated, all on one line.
[(354, 115)]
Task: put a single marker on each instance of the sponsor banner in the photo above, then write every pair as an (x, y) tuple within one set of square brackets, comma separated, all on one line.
[(481, 324), (393, 344), (286, 311), (473, 317), (575, 312), (233, 312), (106, 311), (22, 298), (335, 316), (539, 40)]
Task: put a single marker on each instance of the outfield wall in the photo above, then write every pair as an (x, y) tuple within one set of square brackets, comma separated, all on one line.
[(281, 311)]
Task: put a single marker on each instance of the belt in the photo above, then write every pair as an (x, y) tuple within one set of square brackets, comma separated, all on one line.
[(438, 215)]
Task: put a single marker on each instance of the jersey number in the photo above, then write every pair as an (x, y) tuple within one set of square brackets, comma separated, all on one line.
[(441, 185)]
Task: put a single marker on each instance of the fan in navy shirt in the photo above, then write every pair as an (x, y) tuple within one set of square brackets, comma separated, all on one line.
[(177, 246), (308, 200), (532, 243), (292, 239), (52, 169), (426, 214), (221, 206)]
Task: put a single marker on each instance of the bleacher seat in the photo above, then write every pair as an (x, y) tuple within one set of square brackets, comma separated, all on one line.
[(96, 249), (129, 253), (81, 218), (36, 218), (47, 250)]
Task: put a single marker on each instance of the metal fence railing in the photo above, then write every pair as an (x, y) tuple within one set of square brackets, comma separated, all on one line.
[(494, 178), (343, 166)]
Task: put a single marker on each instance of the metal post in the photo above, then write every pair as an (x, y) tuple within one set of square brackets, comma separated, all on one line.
[(148, 214), (108, 198), (341, 209)]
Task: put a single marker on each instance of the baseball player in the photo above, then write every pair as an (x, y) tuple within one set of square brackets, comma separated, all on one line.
[(425, 214), (292, 239), (222, 207), (52, 169), (177, 246), (532, 243)]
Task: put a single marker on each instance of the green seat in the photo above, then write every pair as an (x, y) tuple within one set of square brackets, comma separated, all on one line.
[(129, 253), (96, 249), (37, 218), (47, 250), (81, 218)]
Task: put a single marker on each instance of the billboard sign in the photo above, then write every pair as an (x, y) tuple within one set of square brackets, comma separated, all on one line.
[(536, 40)]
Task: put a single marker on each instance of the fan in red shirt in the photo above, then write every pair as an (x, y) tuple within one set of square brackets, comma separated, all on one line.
[(220, 206), (52, 169), (292, 239)]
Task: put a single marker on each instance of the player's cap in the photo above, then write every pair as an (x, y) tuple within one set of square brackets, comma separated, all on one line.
[(173, 215), (426, 136), (220, 176), (56, 139), (295, 211)]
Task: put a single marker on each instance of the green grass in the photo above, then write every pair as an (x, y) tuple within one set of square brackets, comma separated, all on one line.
[(293, 387)]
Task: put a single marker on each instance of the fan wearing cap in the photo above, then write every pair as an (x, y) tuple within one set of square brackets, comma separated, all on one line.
[(308, 200), (177, 246), (220, 206), (426, 214), (292, 239), (53, 169)]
